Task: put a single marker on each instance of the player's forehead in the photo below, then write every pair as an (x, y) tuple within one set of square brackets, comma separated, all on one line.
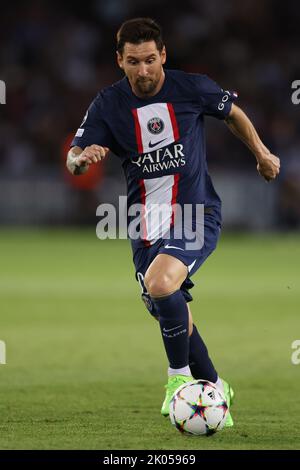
[(140, 51)]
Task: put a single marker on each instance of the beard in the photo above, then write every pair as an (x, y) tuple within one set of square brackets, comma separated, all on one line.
[(146, 86)]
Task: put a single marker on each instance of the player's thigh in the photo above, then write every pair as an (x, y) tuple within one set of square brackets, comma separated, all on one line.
[(165, 275)]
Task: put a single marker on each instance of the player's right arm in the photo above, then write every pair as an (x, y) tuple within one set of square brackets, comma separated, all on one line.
[(79, 160), (268, 165)]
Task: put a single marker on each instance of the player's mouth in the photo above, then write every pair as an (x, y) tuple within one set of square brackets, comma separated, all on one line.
[(144, 80), (145, 84)]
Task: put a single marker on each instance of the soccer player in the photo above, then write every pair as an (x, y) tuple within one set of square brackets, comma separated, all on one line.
[(153, 120)]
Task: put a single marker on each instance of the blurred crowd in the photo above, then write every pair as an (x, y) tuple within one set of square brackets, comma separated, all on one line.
[(55, 56)]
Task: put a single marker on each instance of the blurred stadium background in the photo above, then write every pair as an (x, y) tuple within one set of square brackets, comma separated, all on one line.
[(70, 311), (55, 56)]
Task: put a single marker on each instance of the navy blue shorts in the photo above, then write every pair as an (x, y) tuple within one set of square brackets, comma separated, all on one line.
[(193, 259)]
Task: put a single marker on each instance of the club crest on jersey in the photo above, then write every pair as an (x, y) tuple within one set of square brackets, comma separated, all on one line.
[(155, 125)]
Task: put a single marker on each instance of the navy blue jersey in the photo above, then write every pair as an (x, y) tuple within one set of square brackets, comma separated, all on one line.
[(160, 141)]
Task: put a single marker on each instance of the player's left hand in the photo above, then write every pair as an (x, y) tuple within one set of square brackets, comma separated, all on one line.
[(269, 167)]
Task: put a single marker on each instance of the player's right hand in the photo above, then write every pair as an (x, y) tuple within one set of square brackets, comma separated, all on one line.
[(91, 154), (269, 167)]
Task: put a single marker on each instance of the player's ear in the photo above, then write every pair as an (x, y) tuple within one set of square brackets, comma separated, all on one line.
[(163, 55), (119, 60)]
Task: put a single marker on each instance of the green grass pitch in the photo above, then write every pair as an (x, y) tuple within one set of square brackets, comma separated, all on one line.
[(85, 362)]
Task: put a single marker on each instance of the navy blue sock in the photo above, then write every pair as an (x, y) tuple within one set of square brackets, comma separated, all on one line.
[(199, 360), (174, 326)]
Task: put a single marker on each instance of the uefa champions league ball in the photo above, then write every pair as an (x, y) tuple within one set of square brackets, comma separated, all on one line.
[(198, 407)]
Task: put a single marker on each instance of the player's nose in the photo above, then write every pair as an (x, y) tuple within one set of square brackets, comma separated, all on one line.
[(143, 70)]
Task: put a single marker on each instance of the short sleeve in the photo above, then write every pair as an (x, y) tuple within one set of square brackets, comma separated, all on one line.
[(93, 129), (216, 102)]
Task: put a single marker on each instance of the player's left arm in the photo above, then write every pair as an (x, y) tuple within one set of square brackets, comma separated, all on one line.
[(268, 165)]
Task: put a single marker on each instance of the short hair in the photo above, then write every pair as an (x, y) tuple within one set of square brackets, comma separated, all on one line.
[(138, 30)]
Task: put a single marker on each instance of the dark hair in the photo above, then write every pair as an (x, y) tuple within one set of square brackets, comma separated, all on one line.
[(138, 30)]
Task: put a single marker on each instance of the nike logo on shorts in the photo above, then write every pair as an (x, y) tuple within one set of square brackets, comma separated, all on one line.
[(175, 247), (156, 143), (190, 266)]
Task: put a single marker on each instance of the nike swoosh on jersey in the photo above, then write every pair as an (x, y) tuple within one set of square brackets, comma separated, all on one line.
[(155, 144), (175, 247), (176, 327)]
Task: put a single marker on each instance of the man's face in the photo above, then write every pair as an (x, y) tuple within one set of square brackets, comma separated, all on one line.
[(142, 64)]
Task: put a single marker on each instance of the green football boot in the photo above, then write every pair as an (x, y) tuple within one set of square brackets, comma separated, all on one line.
[(229, 395), (174, 382)]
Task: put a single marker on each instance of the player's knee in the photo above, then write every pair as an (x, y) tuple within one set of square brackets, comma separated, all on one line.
[(159, 285)]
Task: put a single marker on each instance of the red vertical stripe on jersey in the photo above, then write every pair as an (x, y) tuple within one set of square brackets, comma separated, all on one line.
[(174, 196), (143, 226), (173, 121), (138, 132)]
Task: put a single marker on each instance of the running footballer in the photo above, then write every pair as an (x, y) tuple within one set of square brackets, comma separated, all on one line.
[(153, 121)]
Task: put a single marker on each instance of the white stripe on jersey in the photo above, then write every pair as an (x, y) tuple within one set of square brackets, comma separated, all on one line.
[(158, 206)]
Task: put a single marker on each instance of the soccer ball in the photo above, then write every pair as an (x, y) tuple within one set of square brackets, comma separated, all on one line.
[(198, 407)]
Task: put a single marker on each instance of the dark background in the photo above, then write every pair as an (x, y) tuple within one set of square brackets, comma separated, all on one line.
[(55, 56)]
